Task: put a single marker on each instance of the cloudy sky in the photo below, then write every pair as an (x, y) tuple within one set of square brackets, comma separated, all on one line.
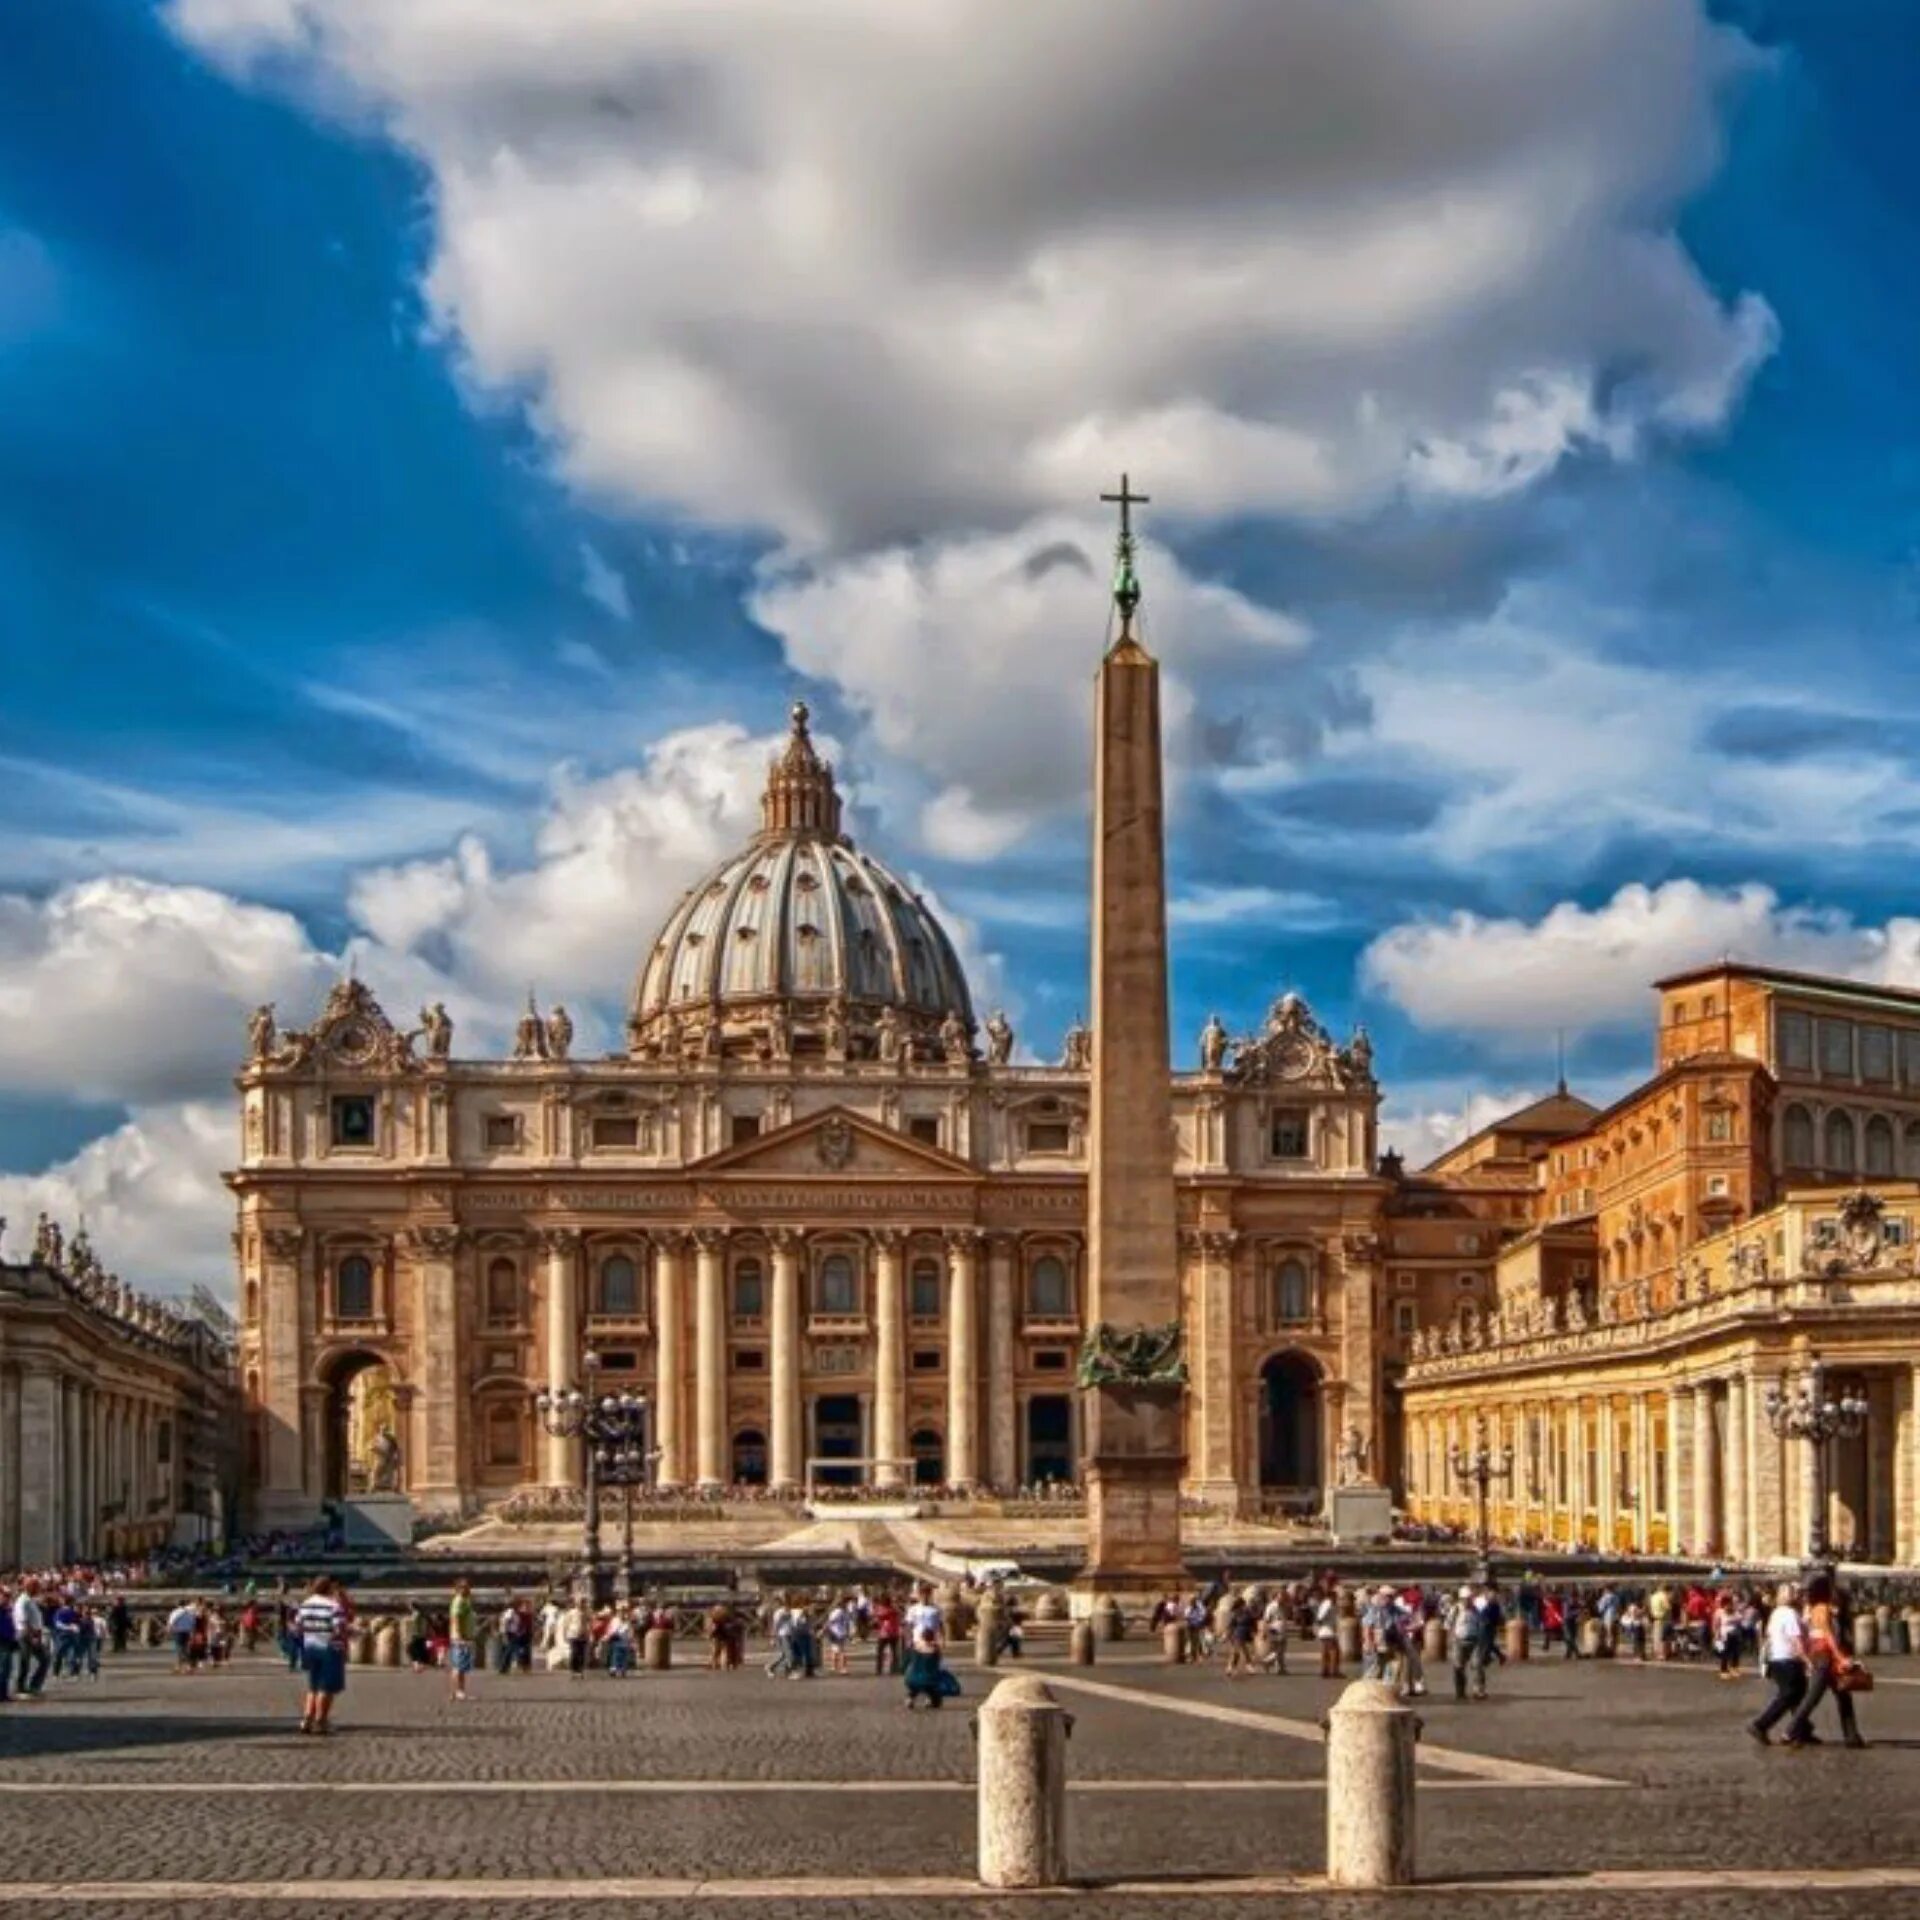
[(441, 437)]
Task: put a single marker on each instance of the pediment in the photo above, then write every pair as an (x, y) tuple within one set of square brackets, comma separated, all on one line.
[(837, 1144)]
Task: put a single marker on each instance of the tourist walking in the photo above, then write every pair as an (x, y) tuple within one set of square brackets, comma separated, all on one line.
[(463, 1630), (886, 1637), (1467, 1627), (926, 1675), (576, 1630), (321, 1623), (1784, 1649), (1829, 1665), (1326, 1631)]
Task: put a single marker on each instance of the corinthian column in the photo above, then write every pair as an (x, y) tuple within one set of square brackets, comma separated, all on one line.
[(1003, 1453), (889, 1361), (561, 1245), (669, 1356), (710, 1356), (1706, 1460), (785, 1466), (963, 1358)]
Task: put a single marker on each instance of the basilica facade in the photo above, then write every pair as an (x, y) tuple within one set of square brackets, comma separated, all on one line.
[(815, 1211)]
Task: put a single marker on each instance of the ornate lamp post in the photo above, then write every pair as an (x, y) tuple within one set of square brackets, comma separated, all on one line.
[(625, 1463), (612, 1426), (1479, 1468), (1808, 1410)]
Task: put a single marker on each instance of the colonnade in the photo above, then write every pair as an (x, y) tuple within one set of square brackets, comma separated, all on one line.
[(80, 1467), (1686, 1466), (692, 1408)]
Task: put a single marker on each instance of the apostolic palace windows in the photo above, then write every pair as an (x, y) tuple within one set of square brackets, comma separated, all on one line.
[(834, 1288), (619, 1287), (353, 1288)]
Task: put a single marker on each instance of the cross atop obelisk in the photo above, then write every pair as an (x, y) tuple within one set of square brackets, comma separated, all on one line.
[(1132, 1368), (1126, 582)]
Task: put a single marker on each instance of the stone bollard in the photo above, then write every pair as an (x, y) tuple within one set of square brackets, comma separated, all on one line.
[(1108, 1621), (1883, 1615), (1898, 1640), (360, 1646), (1433, 1640), (1080, 1644), (1370, 1742), (1022, 1731), (1866, 1635), (1913, 1630), (1173, 1643), (1052, 1605), (657, 1649), (986, 1642), (1593, 1637), (1517, 1642), (151, 1631), (386, 1644), (1347, 1633)]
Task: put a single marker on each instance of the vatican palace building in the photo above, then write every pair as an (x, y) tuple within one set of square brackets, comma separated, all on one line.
[(822, 1217)]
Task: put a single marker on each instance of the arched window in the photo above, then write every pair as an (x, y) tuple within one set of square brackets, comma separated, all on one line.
[(1839, 1143), (619, 1287), (834, 1290), (749, 1291), (1048, 1295), (503, 1292), (1290, 1292), (1913, 1150), (925, 1285), (1796, 1137), (353, 1288), (1879, 1143)]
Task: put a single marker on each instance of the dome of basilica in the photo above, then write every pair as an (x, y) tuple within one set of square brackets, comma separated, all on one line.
[(801, 944)]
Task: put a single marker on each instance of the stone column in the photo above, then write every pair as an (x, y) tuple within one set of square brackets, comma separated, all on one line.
[(41, 1521), (669, 1357), (1680, 1512), (1003, 1434), (1642, 1473), (1906, 1405), (1212, 1365), (963, 1357), (889, 1359), (710, 1356), (1706, 1473), (10, 1554), (284, 1497), (1736, 1534), (784, 1465), (1878, 1442), (436, 1476), (1767, 1495), (561, 1246), (1606, 1505)]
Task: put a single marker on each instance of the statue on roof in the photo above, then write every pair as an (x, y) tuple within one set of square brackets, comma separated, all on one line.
[(559, 1033), (954, 1043), (999, 1038), (436, 1025), (1213, 1045), (1076, 1049), (530, 1034), (261, 1034)]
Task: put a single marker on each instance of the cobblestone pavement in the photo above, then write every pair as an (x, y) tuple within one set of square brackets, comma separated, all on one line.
[(148, 1777)]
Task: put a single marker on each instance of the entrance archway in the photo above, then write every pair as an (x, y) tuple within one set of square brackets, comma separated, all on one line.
[(361, 1400), (836, 1436), (1290, 1422)]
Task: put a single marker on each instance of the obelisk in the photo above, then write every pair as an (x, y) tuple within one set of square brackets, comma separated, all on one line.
[(1132, 1368)]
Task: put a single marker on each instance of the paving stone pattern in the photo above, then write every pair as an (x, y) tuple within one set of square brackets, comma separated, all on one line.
[(1698, 1794)]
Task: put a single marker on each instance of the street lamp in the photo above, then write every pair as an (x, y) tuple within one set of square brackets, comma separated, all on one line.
[(1807, 1410), (612, 1426), (1480, 1468)]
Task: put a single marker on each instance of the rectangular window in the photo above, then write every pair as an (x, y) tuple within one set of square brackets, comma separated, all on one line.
[(1406, 1317), (1466, 1282), (1910, 1057), (1049, 1360), (1716, 1186), (163, 1443), (924, 1297), (1405, 1282), (1288, 1137), (352, 1120), (1794, 1036), (750, 1360), (1876, 1053), (502, 1132), (619, 1360), (1719, 1124), (1836, 1049), (749, 1293), (924, 1127), (745, 1127), (1048, 1136), (926, 1360), (609, 1132), (1894, 1231)]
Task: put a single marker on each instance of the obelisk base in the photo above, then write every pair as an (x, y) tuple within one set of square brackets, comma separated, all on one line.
[(1135, 1455)]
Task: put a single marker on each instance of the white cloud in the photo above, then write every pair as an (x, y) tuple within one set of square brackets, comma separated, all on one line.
[(150, 1194), (960, 657), (856, 271), (1582, 969), (603, 583), (1421, 1123)]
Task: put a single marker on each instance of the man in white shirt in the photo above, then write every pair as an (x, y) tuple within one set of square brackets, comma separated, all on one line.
[(30, 1630), (1784, 1649), (923, 1617)]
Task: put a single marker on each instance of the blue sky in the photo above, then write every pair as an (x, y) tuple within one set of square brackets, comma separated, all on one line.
[(432, 466)]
